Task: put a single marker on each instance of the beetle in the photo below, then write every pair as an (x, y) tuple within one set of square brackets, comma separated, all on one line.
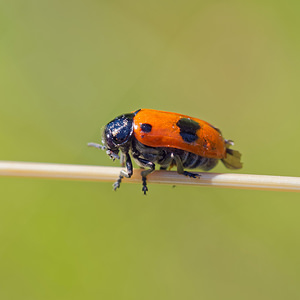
[(168, 139)]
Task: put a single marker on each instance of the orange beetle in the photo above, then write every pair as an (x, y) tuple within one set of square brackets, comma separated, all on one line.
[(168, 139)]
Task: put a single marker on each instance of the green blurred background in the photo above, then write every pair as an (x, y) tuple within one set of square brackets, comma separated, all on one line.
[(69, 67)]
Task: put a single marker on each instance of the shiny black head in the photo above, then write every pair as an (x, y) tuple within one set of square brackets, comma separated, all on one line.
[(117, 133)]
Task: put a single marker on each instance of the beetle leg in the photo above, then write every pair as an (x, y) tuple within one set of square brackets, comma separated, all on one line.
[(180, 169), (112, 155), (128, 173), (147, 164), (122, 159)]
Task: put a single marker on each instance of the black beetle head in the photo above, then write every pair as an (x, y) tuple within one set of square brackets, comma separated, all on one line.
[(118, 132)]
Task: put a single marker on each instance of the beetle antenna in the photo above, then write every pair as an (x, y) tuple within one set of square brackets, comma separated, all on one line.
[(111, 154), (97, 146)]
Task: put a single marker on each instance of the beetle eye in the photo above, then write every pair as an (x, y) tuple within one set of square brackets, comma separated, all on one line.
[(119, 136)]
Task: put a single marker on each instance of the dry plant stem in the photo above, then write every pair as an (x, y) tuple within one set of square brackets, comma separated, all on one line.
[(95, 173)]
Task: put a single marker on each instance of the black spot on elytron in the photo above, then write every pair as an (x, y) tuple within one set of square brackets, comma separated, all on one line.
[(145, 127), (188, 129)]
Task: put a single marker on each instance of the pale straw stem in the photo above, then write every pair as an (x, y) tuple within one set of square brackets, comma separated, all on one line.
[(110, 174)]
